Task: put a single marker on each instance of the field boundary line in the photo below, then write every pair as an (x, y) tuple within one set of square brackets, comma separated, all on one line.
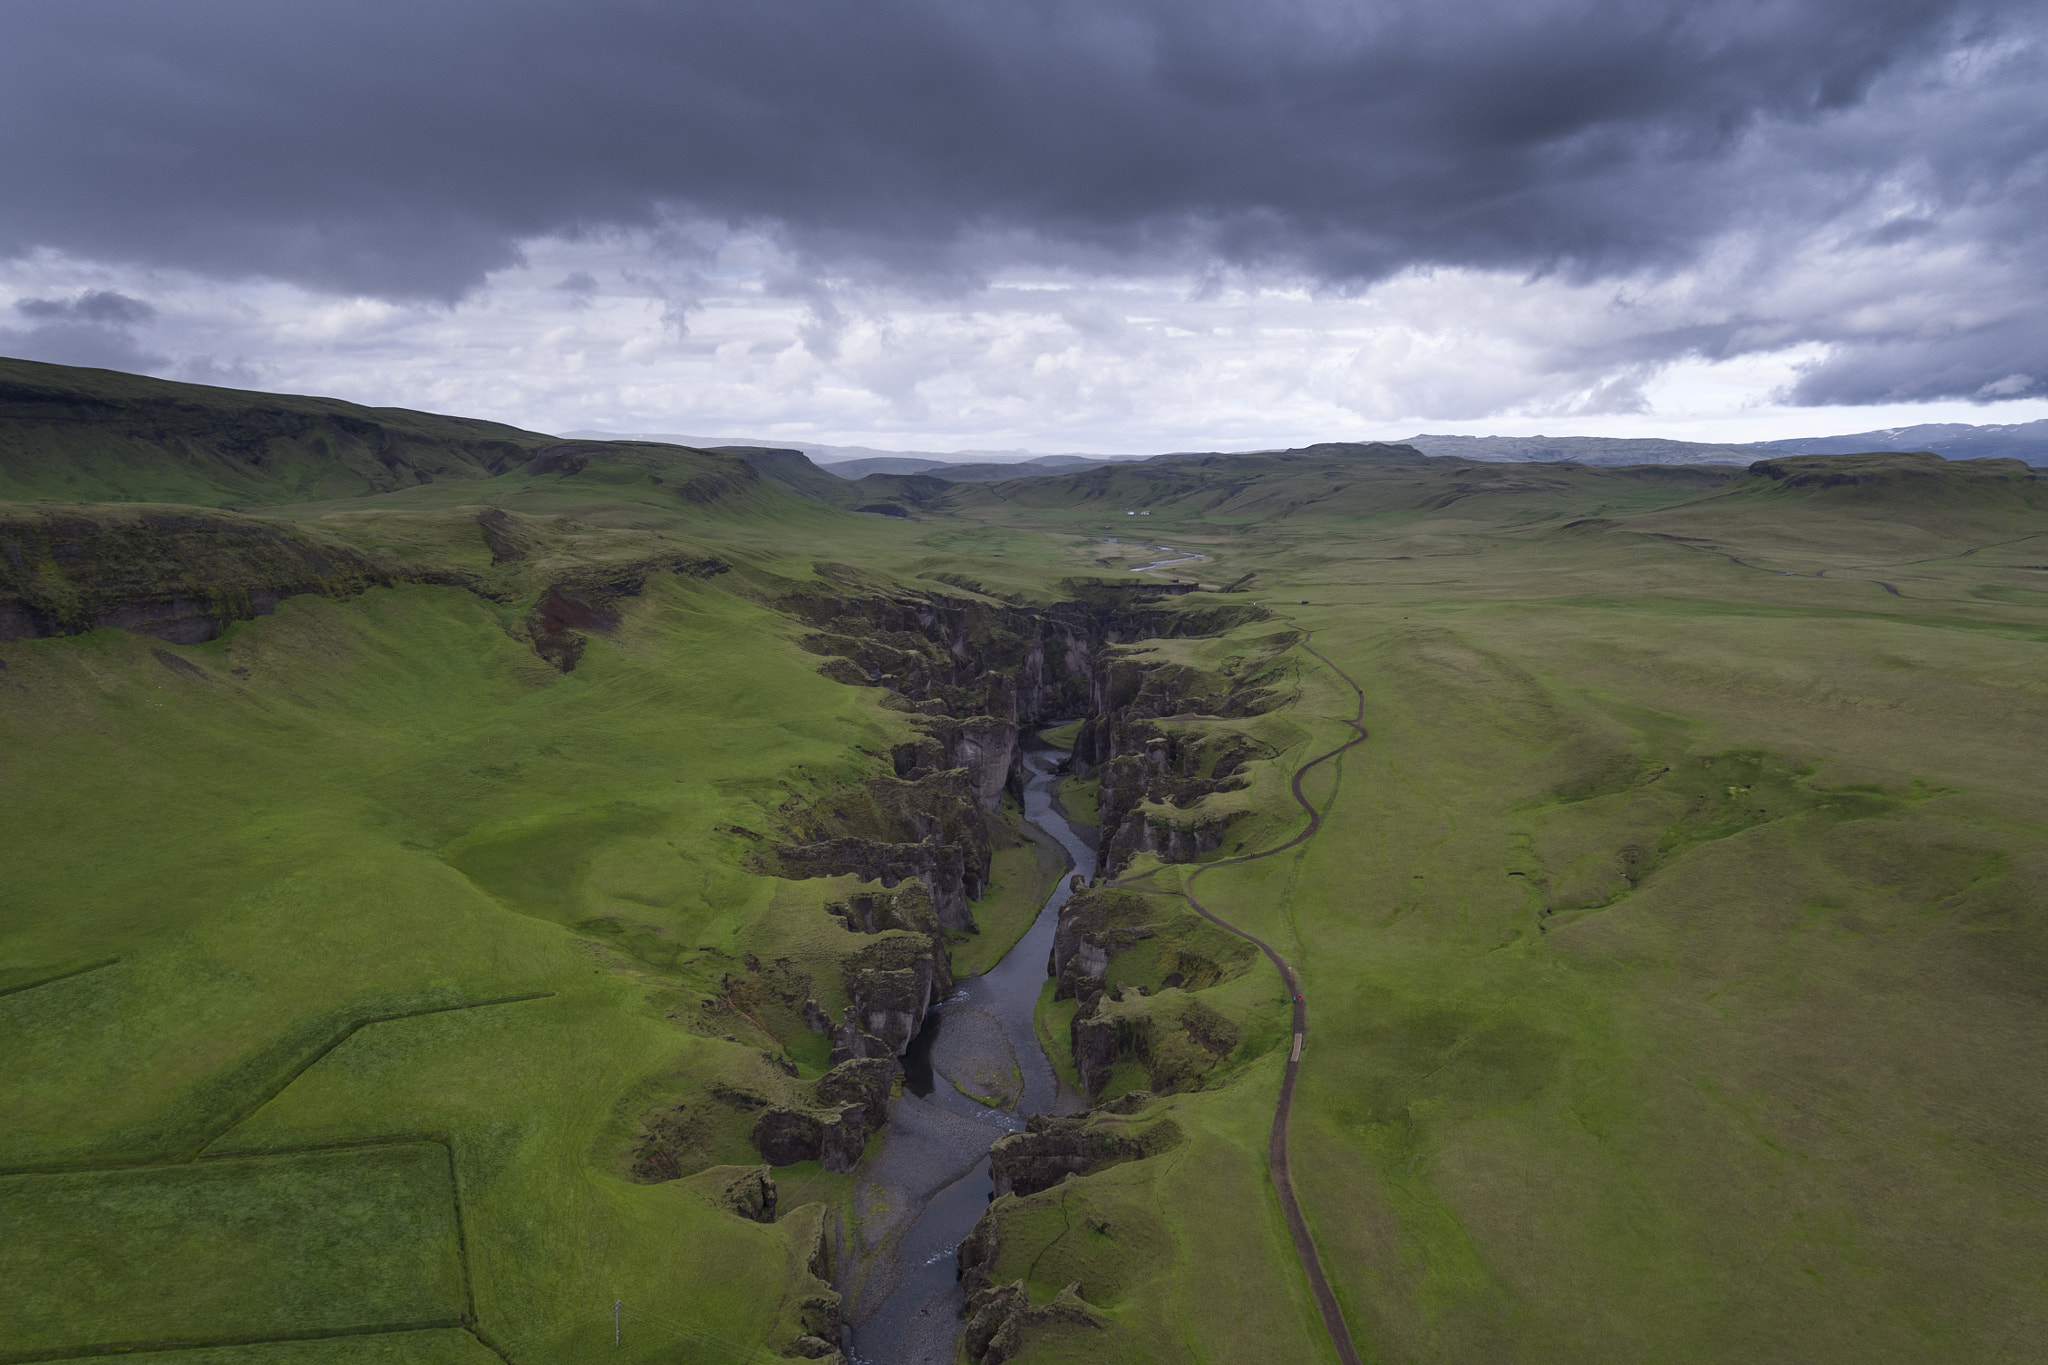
[(60, 976), (117, 1348), (320, 1054), (199, 1153), (1283, 1112), (468, 1321)]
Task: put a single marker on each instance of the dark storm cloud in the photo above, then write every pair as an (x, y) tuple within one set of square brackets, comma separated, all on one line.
[(91, 330), (94, 306), (2006, 360), (405, 149)]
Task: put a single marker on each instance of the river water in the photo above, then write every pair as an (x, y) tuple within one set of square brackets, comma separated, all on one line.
[(917, 1199), (1179, 556)]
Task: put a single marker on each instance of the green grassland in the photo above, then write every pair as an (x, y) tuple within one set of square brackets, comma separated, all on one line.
[(302, 1242), (314, 841), (1674, 946)]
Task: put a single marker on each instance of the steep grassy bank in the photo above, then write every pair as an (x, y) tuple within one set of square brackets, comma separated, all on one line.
[(308, 846)]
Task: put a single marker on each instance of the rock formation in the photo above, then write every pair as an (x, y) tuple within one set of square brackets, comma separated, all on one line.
[(181, 574), (1052, 1148), (851, 1105), (1002, 1320)]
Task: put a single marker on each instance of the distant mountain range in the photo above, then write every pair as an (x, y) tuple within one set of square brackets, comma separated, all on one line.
[(854, 462), (1591, 450), (2024, 441)]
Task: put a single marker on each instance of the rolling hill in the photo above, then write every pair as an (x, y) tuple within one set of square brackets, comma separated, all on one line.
[(536, 900)]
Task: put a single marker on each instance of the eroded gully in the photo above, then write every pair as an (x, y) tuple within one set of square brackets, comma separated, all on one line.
[(924, 1191)]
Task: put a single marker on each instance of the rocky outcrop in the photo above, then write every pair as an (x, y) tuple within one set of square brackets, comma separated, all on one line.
[(1053, 1148), (178, 573), (909, 907), (852, 1105), (862, 1082), (748, 1192), (941, 867), (1094, 1043), (977, 671), (813, 1318), (892, 983), (786, 1136), (1002, 1321), (931, 828), (1176, 1037), (982, 749), (1141, 765), (586, 603), (1093, 925)]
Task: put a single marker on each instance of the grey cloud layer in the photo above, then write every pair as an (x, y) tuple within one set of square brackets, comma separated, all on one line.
[(406, 150)]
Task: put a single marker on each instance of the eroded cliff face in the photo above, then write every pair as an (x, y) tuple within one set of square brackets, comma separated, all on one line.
[(1052, 1148), (181, 574), (1139, 760), (930, 827), (1146, 1013), (974, 674), (850, 1103), (977, 672), (185, 574), (1001, 1319)]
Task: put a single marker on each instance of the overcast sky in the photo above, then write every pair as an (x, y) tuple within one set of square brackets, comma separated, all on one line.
[(1105, 225)]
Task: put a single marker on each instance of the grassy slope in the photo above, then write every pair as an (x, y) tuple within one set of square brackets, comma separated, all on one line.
[(275, 855), (84, 435), (1774, 1101), (1774, 1098), (373, 814)]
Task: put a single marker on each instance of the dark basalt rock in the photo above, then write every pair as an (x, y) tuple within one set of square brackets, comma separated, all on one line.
[(941, 867), (931, 828), (852, 1106), (751, 1194), (893, 983), (864, 1082), (1053, 1148), (843, 1137), (784, 1137), (1092, 925), (1138, 761), (180, 574), (1000, 1321), (909, 907), (1094, 1042)]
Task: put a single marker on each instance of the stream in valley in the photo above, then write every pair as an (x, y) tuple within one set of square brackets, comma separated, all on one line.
[(922, 1194)]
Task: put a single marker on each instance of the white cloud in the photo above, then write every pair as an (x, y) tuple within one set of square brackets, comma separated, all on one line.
[(702, 329)]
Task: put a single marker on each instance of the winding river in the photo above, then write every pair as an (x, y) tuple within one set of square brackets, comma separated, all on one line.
[(922, 1194)]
